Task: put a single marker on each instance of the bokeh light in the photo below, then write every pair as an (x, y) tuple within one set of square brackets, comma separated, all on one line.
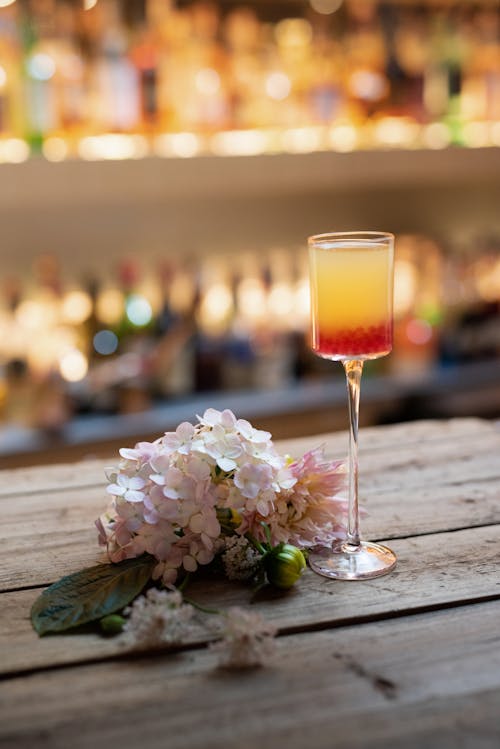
[(41, 67), (105, 342), (278, 86), (138, 310), (418, 332), (76, 307), (110, 306), (73, 365)]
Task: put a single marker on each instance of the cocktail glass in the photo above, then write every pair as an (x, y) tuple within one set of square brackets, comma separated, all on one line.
[(351, 275)]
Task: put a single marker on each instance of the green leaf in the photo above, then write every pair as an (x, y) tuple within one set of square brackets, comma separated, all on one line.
[(90, 594)]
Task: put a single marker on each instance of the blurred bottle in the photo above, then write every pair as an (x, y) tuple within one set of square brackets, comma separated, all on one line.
[(20, 401), (145, 56), (38, 30), (366, 82), (12, 103), (114, 78), (53, 409)]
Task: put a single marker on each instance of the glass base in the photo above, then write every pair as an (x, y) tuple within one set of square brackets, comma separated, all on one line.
[(343, 561)]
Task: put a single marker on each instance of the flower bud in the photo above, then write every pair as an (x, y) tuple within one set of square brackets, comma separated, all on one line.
[(284, 565), (112, 624)]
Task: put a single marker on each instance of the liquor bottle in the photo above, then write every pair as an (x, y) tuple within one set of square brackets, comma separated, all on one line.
[(145, 56), (114, 78), (12, 104), (37, 29)]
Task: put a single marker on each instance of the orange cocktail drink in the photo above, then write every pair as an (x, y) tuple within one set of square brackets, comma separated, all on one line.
[(351, 276), (351, 297)]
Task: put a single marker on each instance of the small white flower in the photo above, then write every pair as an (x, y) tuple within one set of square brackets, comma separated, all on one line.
[(264, 453), (130, 454), (224, 448), (156, 506), (264, 503), (180, 440), (212, 418), (250, 433), (252, 479), (178, 485), (239, 558), (197, 554), (167, 569), (160, 463), (158, 540), (131, 512), (285, 479), (247, 640), (158, 618), (198, 469), (129, 488), (206, 522)]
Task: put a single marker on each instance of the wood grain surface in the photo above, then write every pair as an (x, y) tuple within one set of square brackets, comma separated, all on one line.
[(411, 659)]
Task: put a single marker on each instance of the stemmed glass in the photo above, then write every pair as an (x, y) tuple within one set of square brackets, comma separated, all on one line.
[(351, 275)]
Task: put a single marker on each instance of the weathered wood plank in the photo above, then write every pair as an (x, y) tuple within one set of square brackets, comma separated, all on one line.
[(387, 439), (394, 436), (58, 477), (391, 683), (49, 536), (432, 571)]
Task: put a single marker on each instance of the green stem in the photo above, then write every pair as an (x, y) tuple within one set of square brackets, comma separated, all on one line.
[(256, 544), (184, 583), (267, 531)]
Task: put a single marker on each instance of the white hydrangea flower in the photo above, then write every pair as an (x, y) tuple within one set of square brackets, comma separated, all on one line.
[(167, 493)]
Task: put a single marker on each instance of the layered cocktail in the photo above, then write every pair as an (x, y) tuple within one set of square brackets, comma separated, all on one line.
[(351, 295), (351, 278)]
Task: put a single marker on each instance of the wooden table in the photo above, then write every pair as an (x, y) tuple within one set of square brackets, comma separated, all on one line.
[(408, 660)]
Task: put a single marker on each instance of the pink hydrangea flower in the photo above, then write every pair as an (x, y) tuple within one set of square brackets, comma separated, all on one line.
[(166, 494)]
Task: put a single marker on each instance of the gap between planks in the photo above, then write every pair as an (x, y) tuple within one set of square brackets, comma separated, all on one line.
[(426, 579), (387, 680), (337, 624)]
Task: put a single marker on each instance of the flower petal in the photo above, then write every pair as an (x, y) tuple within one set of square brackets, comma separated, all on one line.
[(117, 491), (226, 464), (189, 563), (196, 523), (133, 496)]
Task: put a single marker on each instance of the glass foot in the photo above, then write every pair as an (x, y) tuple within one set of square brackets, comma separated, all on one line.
[(346, 562)]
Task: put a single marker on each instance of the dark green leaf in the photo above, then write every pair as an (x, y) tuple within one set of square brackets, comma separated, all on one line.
[(90, 594)]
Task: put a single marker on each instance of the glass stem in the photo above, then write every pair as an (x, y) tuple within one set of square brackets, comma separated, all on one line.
[(353, 369)]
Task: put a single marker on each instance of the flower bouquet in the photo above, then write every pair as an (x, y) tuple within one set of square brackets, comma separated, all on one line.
[(214, 493)]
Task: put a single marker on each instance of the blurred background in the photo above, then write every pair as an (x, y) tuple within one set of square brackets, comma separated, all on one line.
[(162, 163)]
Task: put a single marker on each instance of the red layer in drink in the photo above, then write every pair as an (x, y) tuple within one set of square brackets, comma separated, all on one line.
[(362, 341)]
